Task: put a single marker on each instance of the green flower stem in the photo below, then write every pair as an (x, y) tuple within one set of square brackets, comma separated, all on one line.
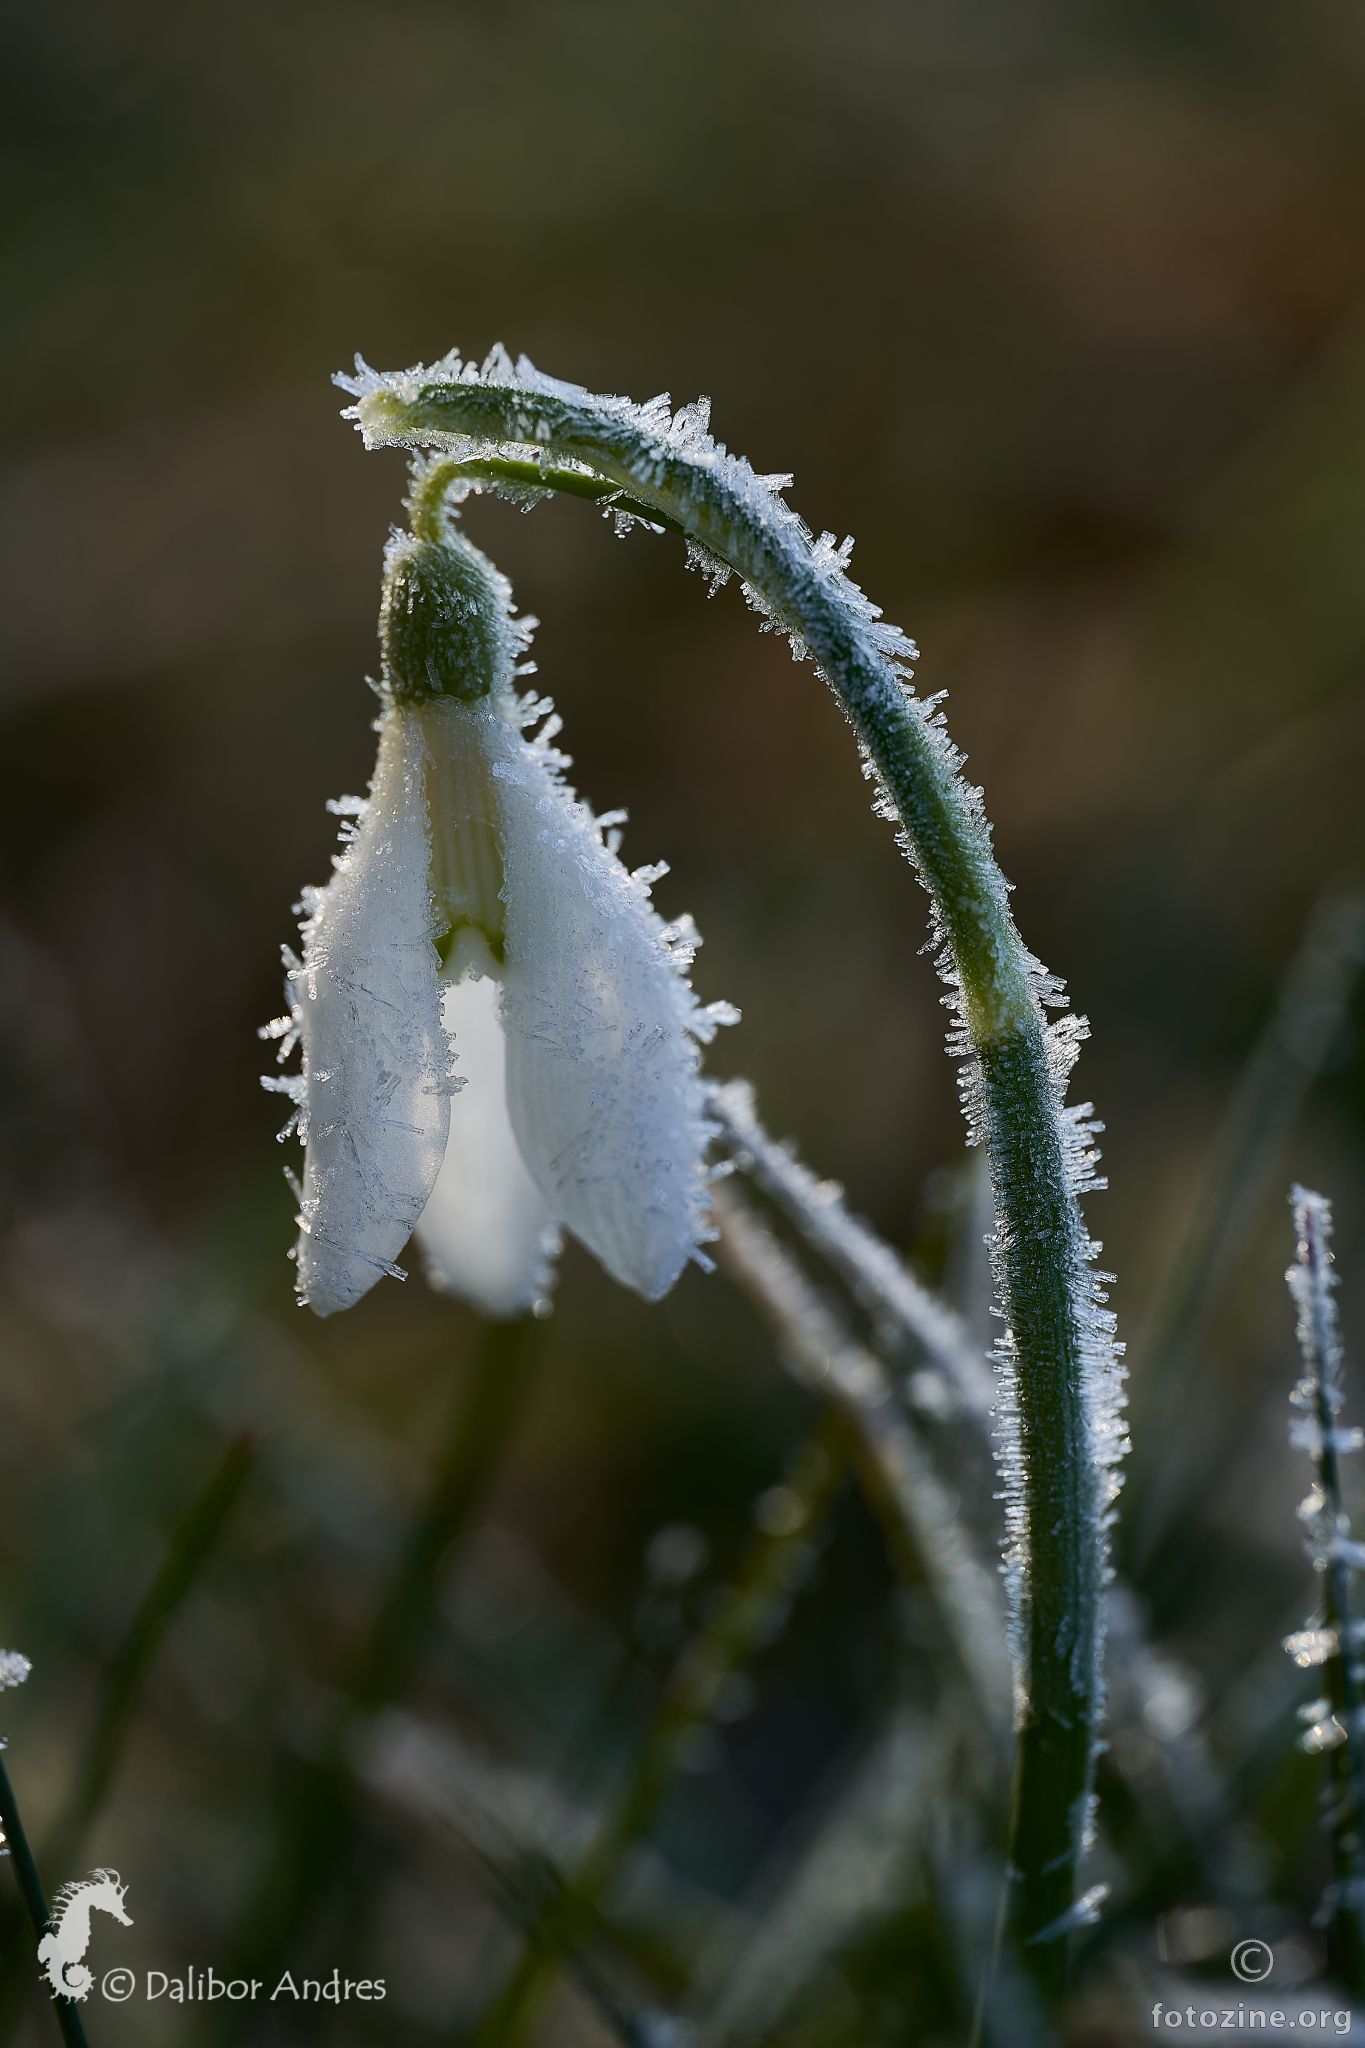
[(316, 1834), (1042, 1273), (427, 504), (924, 1533), (191, 1544), (765, 1580), (31, 1891), (1313, 1001), (188, 1550)]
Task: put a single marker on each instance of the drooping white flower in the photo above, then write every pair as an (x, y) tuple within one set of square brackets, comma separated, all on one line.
[(498, 1036)]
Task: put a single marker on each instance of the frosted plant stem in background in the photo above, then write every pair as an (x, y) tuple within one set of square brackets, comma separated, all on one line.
[(1336, 1639), (1155, 1707), (316, 1827), (188, 1549), (1060, 1409), (1165, 1788), (1310, 1010), (841, 1877), (515, 1831), (879, 1280), (924, 1529), (923, 1525), (790, 1518)]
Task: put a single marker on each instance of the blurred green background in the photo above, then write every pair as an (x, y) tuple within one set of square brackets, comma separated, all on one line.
[(1059, 310)]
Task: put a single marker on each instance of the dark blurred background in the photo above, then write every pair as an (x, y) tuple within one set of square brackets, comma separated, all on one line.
[(1059, 310)]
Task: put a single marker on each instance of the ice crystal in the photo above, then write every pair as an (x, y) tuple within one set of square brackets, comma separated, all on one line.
[(1083, 1912), (15, 1667), (1310, 1646)]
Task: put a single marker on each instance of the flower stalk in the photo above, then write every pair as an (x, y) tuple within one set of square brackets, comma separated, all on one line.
[(924, 1532), (65, 2010), (765, 1581), (1060, 1421), (191, 1545)]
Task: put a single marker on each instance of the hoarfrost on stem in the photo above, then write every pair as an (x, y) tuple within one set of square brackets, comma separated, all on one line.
[(901, 1305), (1335, 1724), (1061, 1436)]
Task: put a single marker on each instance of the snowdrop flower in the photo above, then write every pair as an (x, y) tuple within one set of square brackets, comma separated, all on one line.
[(498, 1037)]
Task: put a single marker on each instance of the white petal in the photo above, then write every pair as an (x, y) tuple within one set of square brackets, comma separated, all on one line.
[(602, 1077), (486, 1231), (375, 1087)]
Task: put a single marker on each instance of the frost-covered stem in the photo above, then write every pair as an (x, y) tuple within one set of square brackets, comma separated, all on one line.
[(922, 1520), (66, 2011), (428, 500), (1014, 1082), (1320, 1396), (1313, 1000), (1039, 1257), (741, 1622), (905, 1311)]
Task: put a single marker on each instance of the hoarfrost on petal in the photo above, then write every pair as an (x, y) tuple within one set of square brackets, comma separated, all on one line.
[(602, 1027), (14, 1668), (486, 1233), (375, 1101)]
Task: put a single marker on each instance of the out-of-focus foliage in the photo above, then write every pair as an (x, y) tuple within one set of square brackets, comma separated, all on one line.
[(1061, 314)]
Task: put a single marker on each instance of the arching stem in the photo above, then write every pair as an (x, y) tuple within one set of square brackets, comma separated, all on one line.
[(518, 432)]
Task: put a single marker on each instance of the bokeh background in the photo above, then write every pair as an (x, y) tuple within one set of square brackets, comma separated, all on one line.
[(1060, 311)]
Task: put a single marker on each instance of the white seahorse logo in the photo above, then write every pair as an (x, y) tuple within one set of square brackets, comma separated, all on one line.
[(61, 1949)]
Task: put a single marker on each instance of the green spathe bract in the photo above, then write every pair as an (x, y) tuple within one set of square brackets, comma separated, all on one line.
[(506, 426), (443, 621)]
